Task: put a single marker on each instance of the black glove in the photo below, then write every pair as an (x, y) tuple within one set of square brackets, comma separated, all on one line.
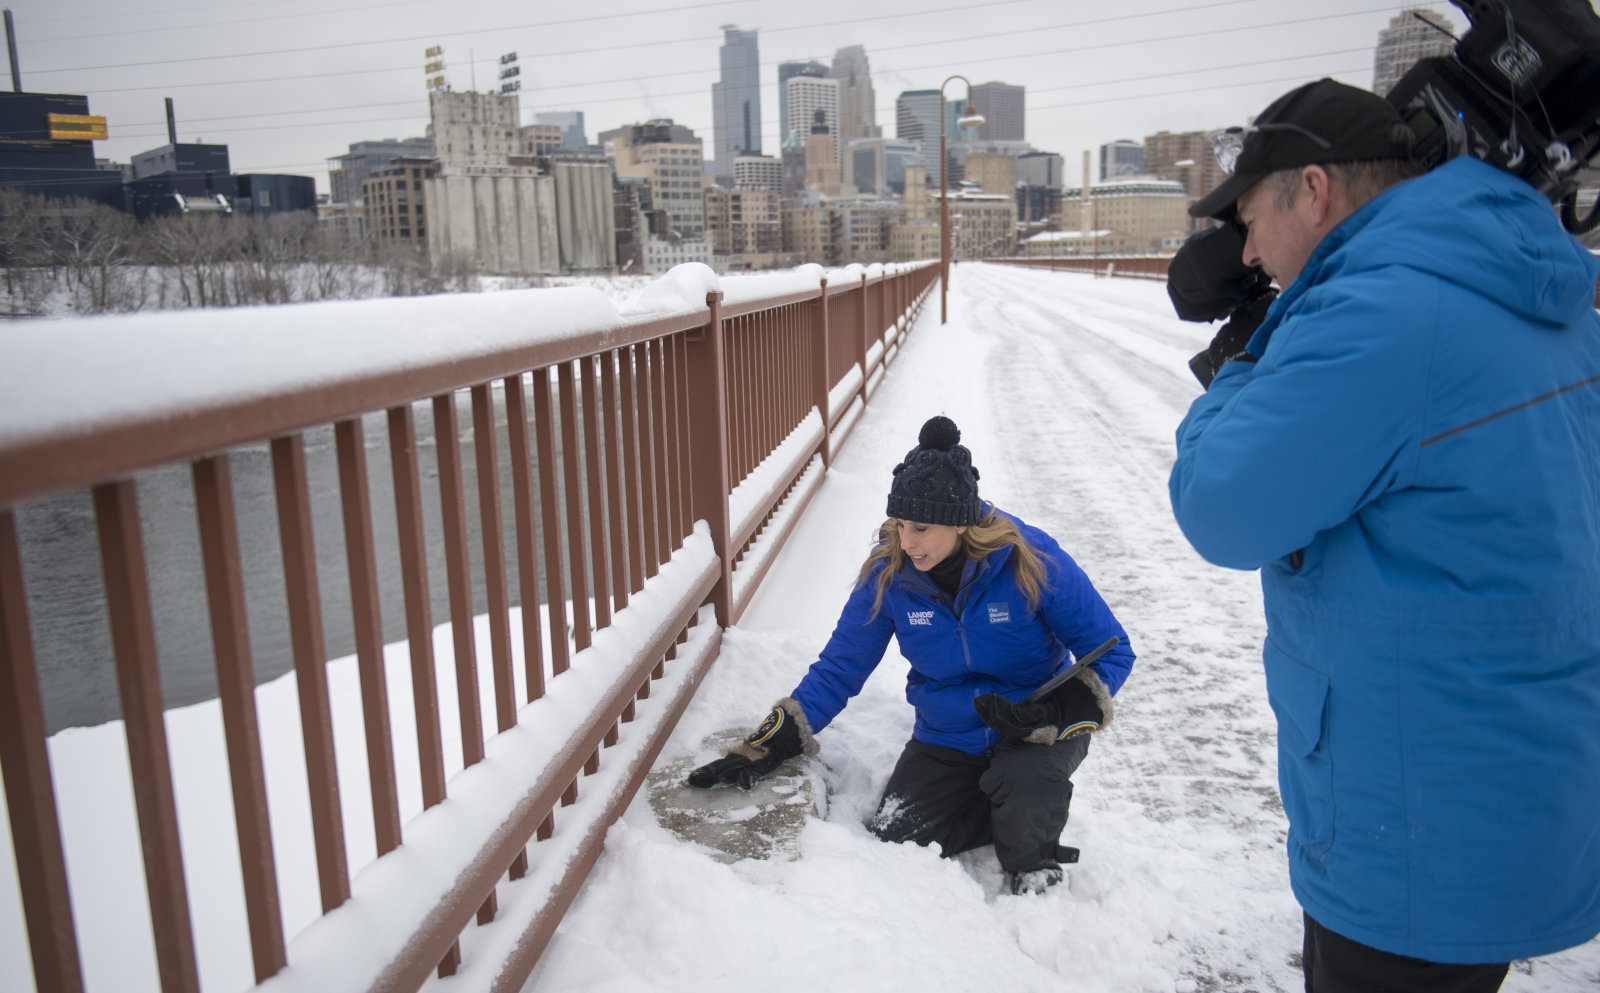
[(1231, 339), (1208, 279), (1074, 708), (782, 736)]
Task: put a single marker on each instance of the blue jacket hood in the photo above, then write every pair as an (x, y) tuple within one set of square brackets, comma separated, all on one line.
[(1470, 224)]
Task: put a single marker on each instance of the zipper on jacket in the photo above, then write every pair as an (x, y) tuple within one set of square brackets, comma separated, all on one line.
[(966, 650)]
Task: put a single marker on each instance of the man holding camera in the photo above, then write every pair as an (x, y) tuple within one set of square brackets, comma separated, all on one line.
[(1408, 448)]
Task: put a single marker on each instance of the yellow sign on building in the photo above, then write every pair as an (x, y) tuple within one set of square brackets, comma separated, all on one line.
[(76, 127)]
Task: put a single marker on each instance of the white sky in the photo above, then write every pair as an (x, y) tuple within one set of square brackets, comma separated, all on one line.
[(287, 85)]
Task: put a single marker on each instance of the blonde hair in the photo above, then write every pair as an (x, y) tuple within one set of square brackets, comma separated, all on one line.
[(991, 533)]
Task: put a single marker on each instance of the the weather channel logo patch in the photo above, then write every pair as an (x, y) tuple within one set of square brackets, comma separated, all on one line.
[(924, 617), (999, 613)]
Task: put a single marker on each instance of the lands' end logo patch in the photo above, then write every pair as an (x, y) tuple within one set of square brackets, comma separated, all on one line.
[(922, 617), (999, 613)]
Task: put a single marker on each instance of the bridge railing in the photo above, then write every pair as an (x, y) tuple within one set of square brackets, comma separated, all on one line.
[(1132, 266), (656, 465)]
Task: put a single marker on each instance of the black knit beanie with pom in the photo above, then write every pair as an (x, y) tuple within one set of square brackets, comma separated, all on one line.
[(936, 484)]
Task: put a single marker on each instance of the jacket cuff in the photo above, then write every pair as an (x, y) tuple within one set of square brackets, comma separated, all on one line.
[(796, 716)]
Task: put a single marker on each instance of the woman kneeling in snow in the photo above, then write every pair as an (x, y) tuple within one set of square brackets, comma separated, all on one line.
[(986, 610)]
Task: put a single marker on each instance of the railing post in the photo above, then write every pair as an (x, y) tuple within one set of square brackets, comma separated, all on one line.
[(861, 340), (708, 445), (30, 792), (820, 387)]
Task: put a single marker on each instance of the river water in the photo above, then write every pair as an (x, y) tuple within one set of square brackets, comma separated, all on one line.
[(66, 597)]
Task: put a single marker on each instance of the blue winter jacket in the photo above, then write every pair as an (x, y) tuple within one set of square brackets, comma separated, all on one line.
[(985, 640), (1414, 465)]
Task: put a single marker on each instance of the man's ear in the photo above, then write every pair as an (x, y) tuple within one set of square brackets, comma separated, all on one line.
[(1317, 203)]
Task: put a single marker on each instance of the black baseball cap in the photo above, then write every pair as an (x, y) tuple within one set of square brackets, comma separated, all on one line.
[(1321, 122)]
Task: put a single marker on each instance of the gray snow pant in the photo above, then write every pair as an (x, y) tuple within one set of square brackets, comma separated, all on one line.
[(1017, 798)]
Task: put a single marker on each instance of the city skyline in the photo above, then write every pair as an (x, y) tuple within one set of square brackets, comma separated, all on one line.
[(285, 96)]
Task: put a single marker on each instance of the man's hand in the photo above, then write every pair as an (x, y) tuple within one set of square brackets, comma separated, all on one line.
[(1231, 339), (782, 736)]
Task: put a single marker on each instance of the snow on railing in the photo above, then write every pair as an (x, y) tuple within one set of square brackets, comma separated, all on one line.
[(482, 757)]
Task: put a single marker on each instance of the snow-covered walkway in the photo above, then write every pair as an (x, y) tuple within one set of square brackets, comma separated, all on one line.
[(1067, 390)]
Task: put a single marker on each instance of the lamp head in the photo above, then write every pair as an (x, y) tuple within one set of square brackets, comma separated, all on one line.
[(970, 118)]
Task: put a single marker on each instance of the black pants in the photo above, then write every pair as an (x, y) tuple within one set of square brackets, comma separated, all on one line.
[(1016, 798), (1335, 964)]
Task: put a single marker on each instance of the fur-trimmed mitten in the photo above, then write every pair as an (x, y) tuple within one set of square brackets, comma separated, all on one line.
[(1078, 706), (783, 735)]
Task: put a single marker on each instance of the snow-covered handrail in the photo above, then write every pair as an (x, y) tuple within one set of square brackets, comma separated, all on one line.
[(658, 457)]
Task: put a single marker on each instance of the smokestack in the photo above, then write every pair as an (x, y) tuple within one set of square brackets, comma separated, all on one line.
[(11, 45), (1083, 198), (172, 125)]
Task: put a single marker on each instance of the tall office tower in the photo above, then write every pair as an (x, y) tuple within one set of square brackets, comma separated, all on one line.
[(858, 114), (1001, 107), (807, 96), (1411, 35), (916, 118), (571, 124), (736, 103), (1121, 158), (786, 72)]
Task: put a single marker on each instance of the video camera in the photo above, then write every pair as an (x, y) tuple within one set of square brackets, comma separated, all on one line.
[(1521, 91)]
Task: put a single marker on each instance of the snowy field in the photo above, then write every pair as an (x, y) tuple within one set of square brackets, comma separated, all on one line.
[(1067, 389)]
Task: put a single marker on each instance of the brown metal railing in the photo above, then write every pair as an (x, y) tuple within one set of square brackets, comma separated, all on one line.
[(626, 442), (1135, 266)]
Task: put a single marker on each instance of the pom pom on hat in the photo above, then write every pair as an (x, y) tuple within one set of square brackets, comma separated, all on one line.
[(936, 483), (939, 433)]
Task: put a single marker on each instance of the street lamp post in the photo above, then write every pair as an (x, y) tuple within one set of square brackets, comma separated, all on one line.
[(970, 119)]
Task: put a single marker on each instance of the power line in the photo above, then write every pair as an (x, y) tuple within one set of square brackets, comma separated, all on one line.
[(432, 36), (901, 70)]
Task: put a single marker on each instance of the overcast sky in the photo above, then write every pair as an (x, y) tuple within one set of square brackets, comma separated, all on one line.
[(288, 84)]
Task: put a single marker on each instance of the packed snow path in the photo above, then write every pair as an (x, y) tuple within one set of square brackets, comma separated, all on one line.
[(1067, 390)]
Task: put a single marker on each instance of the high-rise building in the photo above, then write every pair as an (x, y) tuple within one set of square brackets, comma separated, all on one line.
[(858, 114), (1040, 169), (807, 96), (670, 159), (1185, 157), (758, 172), (571, 124), (794, 166), (786, 72), (1001, 105), (994, 172), (916, 118), (736, 103), (393, 203), (1121, 158), (1411, 35), (822, 158), (878, 165), (347, 172)]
